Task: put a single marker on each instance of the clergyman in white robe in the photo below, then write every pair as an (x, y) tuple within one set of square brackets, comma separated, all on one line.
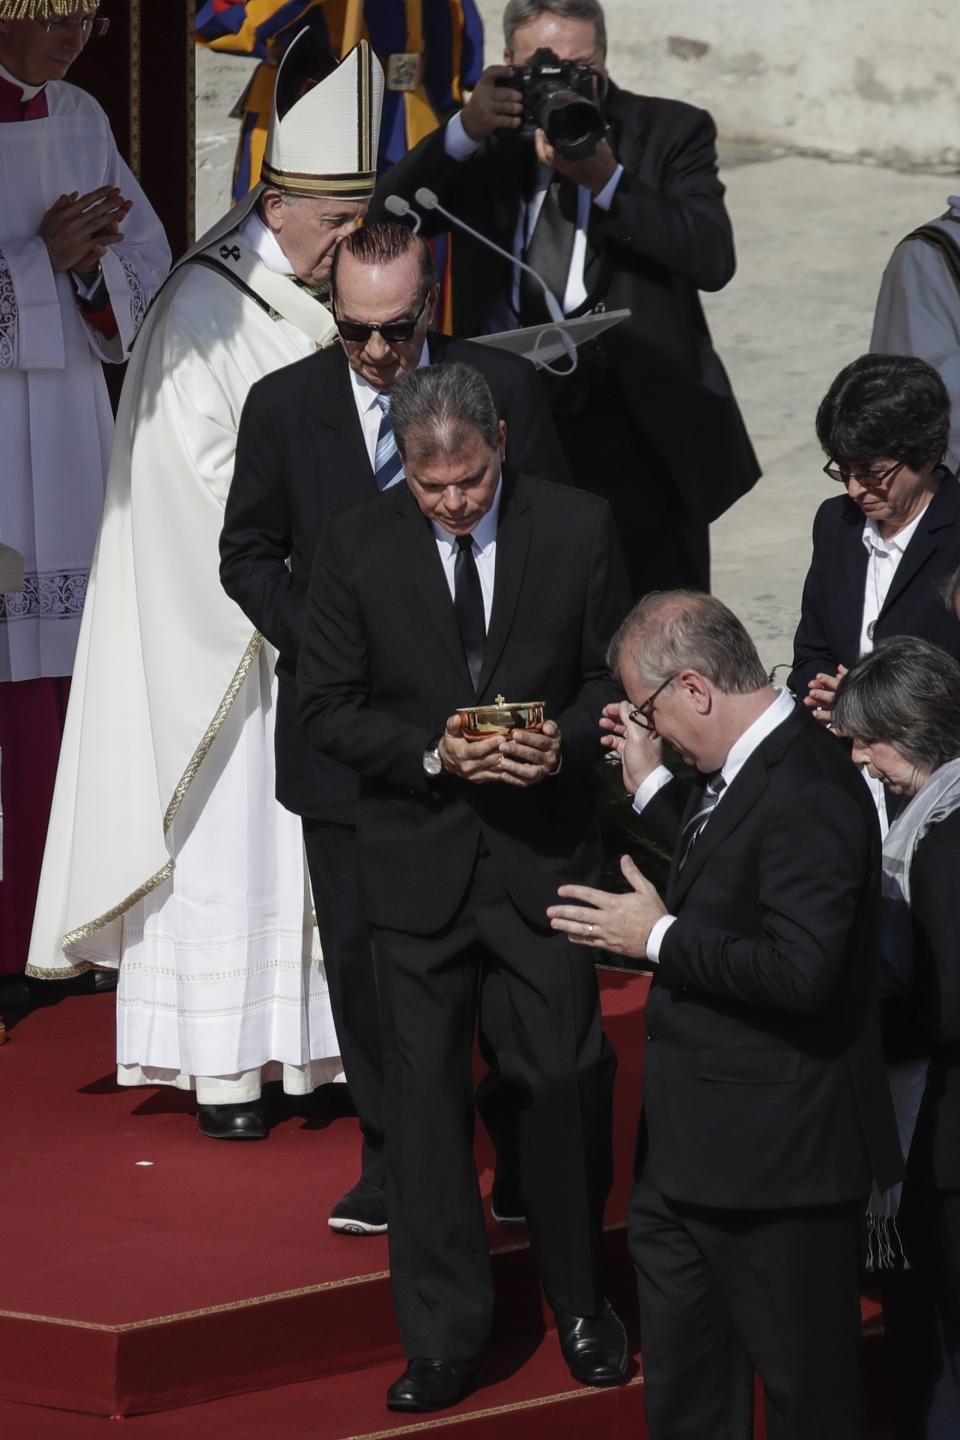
[(167, 849), (56, 427)]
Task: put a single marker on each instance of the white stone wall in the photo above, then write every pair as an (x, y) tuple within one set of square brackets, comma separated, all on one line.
[(877, 80)]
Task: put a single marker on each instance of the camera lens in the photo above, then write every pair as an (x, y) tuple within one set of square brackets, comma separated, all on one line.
[(572, 124)]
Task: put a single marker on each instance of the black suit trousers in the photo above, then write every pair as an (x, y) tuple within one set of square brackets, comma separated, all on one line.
[(540, 1012), (664, 545), (344, 936), (726, 1293), (921, 1316)]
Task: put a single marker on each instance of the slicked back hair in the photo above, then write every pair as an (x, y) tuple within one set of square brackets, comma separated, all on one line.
[(673, 630), (906, 692), (433, 407), (892, 407), (521, 12), (381, 244)]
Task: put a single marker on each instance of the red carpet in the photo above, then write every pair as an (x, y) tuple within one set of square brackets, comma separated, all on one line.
[(210, 1271)]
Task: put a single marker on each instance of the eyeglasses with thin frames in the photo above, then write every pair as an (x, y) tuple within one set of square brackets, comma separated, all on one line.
[(869, 479), (394, 332), (643, 715), (88, 25)]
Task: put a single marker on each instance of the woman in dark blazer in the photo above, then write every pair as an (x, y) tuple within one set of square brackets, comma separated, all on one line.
[(882, 549), (900, 705)]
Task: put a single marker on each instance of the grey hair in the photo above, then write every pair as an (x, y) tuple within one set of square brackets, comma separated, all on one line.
[(950, 589), (905, 692), (433, 406), (673, 630), (521, 12)]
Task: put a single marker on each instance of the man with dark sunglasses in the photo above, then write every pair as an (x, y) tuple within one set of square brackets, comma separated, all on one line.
[(314, 439)]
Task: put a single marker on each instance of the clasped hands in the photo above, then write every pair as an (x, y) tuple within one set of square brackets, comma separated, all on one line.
[(77, 229), (523, 758), (618, 923)]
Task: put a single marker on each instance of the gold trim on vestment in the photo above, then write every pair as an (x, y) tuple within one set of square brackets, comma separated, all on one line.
[(586, 1392), (365, 160), (358, 186), (82, 932), (212, 730)]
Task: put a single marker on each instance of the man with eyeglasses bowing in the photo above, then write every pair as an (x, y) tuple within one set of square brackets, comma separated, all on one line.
[(314, 439), (766, 1111), (81, 254)]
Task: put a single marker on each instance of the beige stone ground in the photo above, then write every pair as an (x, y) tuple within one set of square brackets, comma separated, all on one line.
[(812, 239)]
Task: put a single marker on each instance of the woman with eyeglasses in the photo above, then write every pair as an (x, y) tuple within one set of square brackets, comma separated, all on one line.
[(883, 546), (900, 706)]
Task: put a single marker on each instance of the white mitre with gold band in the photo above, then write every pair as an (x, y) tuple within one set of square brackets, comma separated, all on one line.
[(322, 145), (323, 137)]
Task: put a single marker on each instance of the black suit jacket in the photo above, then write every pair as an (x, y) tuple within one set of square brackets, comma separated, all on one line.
[(301, 459), (382, 667), (927, 1022), (764, 1083), (666, 236), (831, 614)]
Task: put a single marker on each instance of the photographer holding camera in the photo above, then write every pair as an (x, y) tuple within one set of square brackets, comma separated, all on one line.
[(614, 199)]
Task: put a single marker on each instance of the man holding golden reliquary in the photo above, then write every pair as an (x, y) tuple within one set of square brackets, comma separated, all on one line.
[(467, 583)]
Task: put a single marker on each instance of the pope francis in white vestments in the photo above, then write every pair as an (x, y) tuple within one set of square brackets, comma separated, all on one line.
[(167, 849)]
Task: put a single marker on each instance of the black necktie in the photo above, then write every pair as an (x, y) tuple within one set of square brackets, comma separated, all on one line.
[(549, 250), (694, 826), (468, 605)]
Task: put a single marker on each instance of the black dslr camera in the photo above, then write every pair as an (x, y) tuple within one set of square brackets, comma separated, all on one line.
[(559, 99)]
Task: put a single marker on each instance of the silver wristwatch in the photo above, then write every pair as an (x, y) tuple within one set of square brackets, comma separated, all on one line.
[(432, 764)]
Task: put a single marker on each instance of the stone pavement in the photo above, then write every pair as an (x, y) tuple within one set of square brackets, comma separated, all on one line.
[(812, 239)]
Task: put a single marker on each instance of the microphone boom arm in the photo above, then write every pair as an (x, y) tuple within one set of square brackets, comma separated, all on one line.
[(427, 200)]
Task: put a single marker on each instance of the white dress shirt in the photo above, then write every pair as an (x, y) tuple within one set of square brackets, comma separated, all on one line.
[(740, 751), (883, 557), (366, 398), (459, 146), (484, 539)]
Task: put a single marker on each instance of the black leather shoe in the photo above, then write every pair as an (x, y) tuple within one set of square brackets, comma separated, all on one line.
[(431, 1385), (362, 1211), (506, 1203), (233, 1122), (594, 1346)]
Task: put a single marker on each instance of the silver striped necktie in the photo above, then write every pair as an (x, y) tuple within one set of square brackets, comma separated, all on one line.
[(387, 465), (713, 790)]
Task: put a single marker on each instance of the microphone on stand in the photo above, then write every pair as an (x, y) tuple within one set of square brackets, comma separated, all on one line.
[(402, 208), (427, 200)]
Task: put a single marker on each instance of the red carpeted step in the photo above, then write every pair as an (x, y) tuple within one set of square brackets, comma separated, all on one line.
[(153, 1267), (210, 1271), (523, 1390)]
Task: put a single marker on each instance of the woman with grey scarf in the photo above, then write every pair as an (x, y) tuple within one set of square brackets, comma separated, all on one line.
[(900, 705)]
